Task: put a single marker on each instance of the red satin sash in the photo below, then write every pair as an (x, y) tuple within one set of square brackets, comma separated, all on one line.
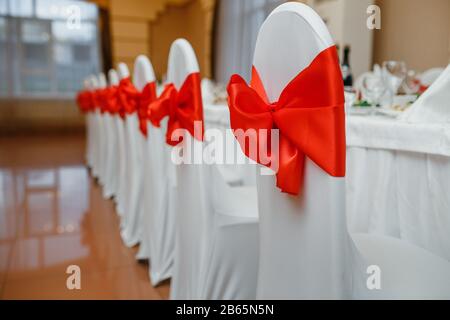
[(97, 98), (126, 103), (85, 101), (140, 101), (183, 107), (102, 96), (111, 100), (309, 115)]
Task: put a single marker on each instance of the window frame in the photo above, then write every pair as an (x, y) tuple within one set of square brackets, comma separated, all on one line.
[(15, 67)]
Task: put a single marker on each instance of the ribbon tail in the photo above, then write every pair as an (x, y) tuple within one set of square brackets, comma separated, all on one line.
[(175, 133), (160, 108), (291, 163)]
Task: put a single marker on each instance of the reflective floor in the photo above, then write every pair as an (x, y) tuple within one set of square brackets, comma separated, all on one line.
[(52, 215)]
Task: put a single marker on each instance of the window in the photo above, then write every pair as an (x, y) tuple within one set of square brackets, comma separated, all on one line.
[(47, 47), (3, 54)]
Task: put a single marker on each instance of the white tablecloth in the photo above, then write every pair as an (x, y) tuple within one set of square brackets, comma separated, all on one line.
[(398, 180)]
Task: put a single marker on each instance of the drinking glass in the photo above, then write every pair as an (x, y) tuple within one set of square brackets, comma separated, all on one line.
[(411, 85), (373, 88), (394, 73)]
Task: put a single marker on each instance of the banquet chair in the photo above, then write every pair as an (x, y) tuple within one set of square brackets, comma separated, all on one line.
[(305, 249), (103, 142), (133, 171), (145, 74), (231, 262), (308, 232), (89, 123), (160, 219), (133, 230), (122, 178), (216, 225), (111, 165), (96, 124)]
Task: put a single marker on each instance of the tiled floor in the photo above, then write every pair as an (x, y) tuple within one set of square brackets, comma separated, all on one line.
[(52, 215)]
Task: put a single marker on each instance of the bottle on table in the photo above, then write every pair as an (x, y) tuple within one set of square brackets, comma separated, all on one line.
[(347, 75)]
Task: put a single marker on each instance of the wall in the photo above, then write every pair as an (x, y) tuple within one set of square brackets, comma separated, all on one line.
[(164, 30), (149, 27), (40, 115), (416, 31), (192, 21)]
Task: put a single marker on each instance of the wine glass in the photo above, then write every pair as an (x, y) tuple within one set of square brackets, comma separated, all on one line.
[(373, 88), (411, 85), (394, 73)]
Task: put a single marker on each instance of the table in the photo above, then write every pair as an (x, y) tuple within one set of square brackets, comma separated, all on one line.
[(398, 180)]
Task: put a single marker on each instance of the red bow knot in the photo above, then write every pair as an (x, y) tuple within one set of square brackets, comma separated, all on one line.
[(102, 96), (111, 100), (147, 96), (85, 101), (133, 100), (126, 101), (183, 107), (309, 115)]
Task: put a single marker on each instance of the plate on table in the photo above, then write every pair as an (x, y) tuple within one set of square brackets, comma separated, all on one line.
[(400, 104), (360, 108)]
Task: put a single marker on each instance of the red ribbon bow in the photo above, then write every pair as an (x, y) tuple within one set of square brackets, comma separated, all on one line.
[(309, 115), (111, 100), (134, 100), (102, 99), (85, 101), (183, 107), (126, 103)]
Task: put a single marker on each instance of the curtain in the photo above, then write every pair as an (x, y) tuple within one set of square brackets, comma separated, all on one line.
[(237, 26)]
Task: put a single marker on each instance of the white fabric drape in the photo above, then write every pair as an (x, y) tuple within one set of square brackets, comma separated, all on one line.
[(400, 194), (237, 28)]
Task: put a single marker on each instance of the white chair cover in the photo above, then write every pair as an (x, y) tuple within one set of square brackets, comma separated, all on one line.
[(216, 231), (143, 74), (112, 163), (305, 249), (103, 141), (233, 244), (161, 218), (87, 84), (133, 206), (96, 124), (154, 180), (123, 150)]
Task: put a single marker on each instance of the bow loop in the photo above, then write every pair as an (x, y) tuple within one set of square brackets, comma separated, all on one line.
[(111, 100), (160, 108), (309, 116), (127, 96), (147, 96), (183, 107), (85, 101)]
